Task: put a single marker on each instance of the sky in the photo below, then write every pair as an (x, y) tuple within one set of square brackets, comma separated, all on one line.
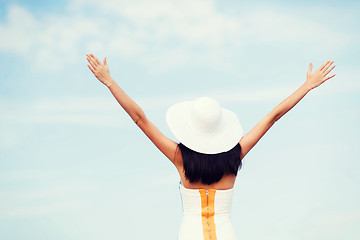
[(74, 166)]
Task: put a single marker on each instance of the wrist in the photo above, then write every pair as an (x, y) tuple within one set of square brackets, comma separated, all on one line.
[(306, 86), (109, 82)]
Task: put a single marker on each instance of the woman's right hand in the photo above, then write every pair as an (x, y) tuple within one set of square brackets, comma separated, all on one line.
[(316, 78), (100, 70)]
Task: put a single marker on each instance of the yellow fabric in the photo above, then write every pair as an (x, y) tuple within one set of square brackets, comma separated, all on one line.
[(207, 213)]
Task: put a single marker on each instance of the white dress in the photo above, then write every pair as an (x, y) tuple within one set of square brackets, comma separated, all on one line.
[(206, 214)]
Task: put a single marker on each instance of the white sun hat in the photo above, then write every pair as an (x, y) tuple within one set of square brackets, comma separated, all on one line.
[(204, 126)]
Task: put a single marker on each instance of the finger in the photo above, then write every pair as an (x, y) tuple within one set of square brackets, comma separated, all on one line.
[(330, 77), (92, 62), (95, 59), (327, 66), (105, 63), (91, 69), (322, 66), (310, 67), (326, 73)]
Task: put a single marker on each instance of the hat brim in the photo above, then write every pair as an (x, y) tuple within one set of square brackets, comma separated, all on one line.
[(224, 138)]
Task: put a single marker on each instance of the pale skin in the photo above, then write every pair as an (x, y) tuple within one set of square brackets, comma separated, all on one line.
[(169, 148)]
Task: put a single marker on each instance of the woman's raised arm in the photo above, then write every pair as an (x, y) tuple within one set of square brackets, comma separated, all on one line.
[(101, 72), (314, 79)]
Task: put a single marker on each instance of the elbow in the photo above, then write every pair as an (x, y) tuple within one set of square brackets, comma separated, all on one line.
[(275, 119), (139, 119)]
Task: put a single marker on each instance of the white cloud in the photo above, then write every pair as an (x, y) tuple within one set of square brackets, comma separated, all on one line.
[(259, 95), (85, 111), (94, 110), (74, 104), (9, 137), (47, 42), (193, 22), (107, 112), (164, 33), (54, 199), (16, 34), (46, 209), (270, 26), (24, 175), (336, 218), (56, 191), (142, 27)]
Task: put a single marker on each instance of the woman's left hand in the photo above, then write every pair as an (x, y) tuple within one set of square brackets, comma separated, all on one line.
[(316, 78), (100, 70)]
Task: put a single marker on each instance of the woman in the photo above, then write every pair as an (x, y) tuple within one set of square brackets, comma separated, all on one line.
[(210, 151)]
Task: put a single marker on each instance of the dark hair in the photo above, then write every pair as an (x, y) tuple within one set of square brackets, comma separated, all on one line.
[(210, 168)]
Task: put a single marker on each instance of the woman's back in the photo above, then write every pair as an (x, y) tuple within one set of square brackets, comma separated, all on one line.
[(208, 171), (206, 206), (206, 214), (226, 182)]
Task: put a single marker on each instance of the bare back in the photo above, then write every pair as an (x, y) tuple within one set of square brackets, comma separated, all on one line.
[(226, 182)]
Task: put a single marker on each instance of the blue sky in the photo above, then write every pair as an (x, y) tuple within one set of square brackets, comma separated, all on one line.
[(74, 166)]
